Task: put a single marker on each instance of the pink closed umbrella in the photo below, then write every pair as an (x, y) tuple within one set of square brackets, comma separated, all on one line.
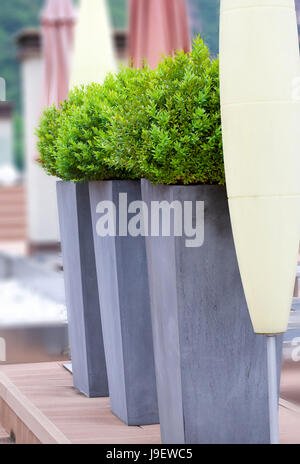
[(157, 28), (58, 20)]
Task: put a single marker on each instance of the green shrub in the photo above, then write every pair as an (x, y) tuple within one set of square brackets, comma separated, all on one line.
[(162, 124), (84, 120), (167, 124), (72, 139), (47, 133)]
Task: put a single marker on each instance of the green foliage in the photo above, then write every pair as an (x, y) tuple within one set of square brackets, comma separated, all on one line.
[(68, 138), (162, 124), (84, 120), (47, 133), (19, 14), (167, 124)]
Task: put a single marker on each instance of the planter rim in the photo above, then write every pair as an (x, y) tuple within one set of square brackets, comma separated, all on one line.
[(180, 186), (112, 180), (61, 181)]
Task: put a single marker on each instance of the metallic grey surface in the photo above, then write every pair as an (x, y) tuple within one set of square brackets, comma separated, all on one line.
[(273, 389), (211, 368), (82, 299), (68, 367), (125, 312)]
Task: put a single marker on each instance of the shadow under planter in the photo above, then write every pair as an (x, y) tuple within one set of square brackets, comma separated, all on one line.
[(211, 368), (124, 302), (84, 321)]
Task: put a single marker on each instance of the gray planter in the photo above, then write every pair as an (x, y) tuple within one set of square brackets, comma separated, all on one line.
[(211, 368), (125, 312), (82, 299)]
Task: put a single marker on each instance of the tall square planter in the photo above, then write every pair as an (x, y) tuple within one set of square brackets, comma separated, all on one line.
[(211, 368), (125, 307), (84, 321)]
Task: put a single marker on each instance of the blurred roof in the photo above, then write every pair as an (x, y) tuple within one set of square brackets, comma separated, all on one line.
[(29, 42), (6, 109)]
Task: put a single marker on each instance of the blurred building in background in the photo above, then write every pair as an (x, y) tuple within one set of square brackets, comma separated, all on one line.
[(6, 134), (42, 230), (37, 224), (36, 228), (33, 319), (12, 193), (31, 289)]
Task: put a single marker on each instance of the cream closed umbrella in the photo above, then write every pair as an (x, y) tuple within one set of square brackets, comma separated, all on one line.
[(259, 65), (157, 28), (94, 54), (58, 19)]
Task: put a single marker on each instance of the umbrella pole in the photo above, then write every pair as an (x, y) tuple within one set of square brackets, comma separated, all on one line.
[(273, 392)]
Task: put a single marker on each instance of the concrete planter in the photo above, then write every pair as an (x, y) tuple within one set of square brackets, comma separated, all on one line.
[(125, 311), (82, 299), (211, 368)]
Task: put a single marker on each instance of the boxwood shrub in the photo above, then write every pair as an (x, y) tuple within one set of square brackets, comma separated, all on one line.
[(47, 133), (167, 124), (161, 124), (83, 130), (69, 137)]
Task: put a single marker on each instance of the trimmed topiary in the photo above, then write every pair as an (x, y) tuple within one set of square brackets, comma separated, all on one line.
[(72, 140), (84, 121), (47, 133), (167, 124), (163, 125)]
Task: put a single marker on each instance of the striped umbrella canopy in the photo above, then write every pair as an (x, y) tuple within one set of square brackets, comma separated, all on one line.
[(58, 19), (157, 28)]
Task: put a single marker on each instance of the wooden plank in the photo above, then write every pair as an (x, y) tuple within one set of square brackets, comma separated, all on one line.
[(49, 388), (4, 437), (290, 406), (43, 402), (27, 413), (14, 426), (289, 422)]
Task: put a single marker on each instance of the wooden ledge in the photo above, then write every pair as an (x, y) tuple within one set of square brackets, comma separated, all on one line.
[(14, 403)]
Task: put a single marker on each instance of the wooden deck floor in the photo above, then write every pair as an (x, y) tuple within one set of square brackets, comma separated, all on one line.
[(50, 410), (48, 387)]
